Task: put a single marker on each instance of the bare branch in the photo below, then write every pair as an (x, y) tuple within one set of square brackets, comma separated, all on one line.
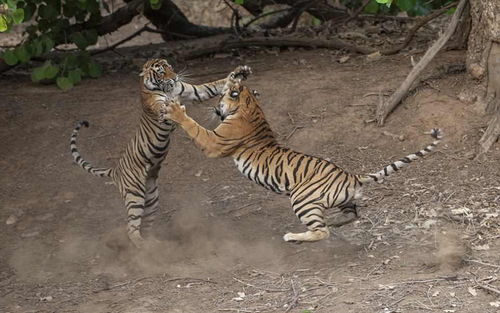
[(387, 107)]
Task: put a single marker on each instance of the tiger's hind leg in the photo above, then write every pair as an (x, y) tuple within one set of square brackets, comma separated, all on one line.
[(134, 201), (150, 204), (348, 213), (312, 215)]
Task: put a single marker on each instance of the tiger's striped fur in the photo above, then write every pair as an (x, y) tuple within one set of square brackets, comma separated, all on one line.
[(313, 184), (136, 173)]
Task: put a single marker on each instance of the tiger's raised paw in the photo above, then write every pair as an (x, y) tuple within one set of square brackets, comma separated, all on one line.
[(162, 114), (241, 72), (175, 112)]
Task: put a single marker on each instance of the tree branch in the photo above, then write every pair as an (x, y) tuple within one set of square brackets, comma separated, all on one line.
[(385, 108), (107, 25)]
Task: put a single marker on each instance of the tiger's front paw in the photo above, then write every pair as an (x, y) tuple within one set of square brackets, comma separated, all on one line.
[(175, 111), (162, 114), (241, 72)]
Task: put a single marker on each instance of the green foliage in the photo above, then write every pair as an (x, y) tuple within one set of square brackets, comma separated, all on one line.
[(155, 4), (51, 24), (10, 14), (411, 7), (240, 2)]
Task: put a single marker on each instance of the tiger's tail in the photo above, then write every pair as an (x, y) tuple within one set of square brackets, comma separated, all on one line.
[(101, 172), (436, 133)]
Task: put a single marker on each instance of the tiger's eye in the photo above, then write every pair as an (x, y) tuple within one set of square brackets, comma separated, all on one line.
[(234, 94)]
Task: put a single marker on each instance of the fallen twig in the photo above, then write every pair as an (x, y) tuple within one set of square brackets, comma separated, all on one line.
[(293, 132), (488, 287), (387, 107), (483, 263), (295, 298), (257, 287)]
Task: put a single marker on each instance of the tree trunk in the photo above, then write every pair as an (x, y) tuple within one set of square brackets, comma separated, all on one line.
[(483, 62)]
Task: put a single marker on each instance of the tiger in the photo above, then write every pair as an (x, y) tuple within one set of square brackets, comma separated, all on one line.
[(136, 173), (313, 184)]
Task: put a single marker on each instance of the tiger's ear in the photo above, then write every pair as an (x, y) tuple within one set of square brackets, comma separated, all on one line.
[(141, 73)]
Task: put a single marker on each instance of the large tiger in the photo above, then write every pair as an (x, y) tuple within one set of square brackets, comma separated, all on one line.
[(137, 170), (313, 184)]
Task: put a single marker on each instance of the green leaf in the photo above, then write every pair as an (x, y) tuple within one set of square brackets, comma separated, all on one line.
[(48, 43), (70, 61), (22, 54), (79, 39), (29, 10), (240, 2), (37, 47), (48, 12), (94, 70), (64, 83), (51, 71), (9, 57), (91, 37), (11, 4), (75, 76), (18, 16), (156, 6), (371, 8), (406, 5), (386, 2), (38, 74), (3, 23)]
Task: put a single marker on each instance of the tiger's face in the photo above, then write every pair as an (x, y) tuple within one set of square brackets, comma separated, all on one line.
[(157, 74), (236, 99)]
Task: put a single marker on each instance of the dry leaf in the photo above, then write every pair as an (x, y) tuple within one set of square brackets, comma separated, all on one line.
[(496, 304), (481, 248), (472, 291)]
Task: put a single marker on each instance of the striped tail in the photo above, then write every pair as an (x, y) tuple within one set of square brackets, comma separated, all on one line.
[(394, 167), (101, 172)]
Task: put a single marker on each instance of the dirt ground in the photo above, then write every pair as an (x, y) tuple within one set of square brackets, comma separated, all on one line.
[(427, 238)]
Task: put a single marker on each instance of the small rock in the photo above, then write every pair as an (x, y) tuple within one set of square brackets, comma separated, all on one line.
[(472, 291), (427, 224), (477, 71), (11, 220), (344, 59), (374, 56), (496, 304), (30, 234), (46, 299), (481, 247), (45, 217), (198, 174)]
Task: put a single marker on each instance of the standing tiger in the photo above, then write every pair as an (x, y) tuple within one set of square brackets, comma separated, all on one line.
[(313, 184), (137, 170)]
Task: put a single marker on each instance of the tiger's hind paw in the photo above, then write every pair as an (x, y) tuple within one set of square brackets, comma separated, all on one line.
[(288, 238)]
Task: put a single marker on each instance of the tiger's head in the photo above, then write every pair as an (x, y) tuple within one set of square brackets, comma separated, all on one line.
[(158, 75), (237, 99)]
